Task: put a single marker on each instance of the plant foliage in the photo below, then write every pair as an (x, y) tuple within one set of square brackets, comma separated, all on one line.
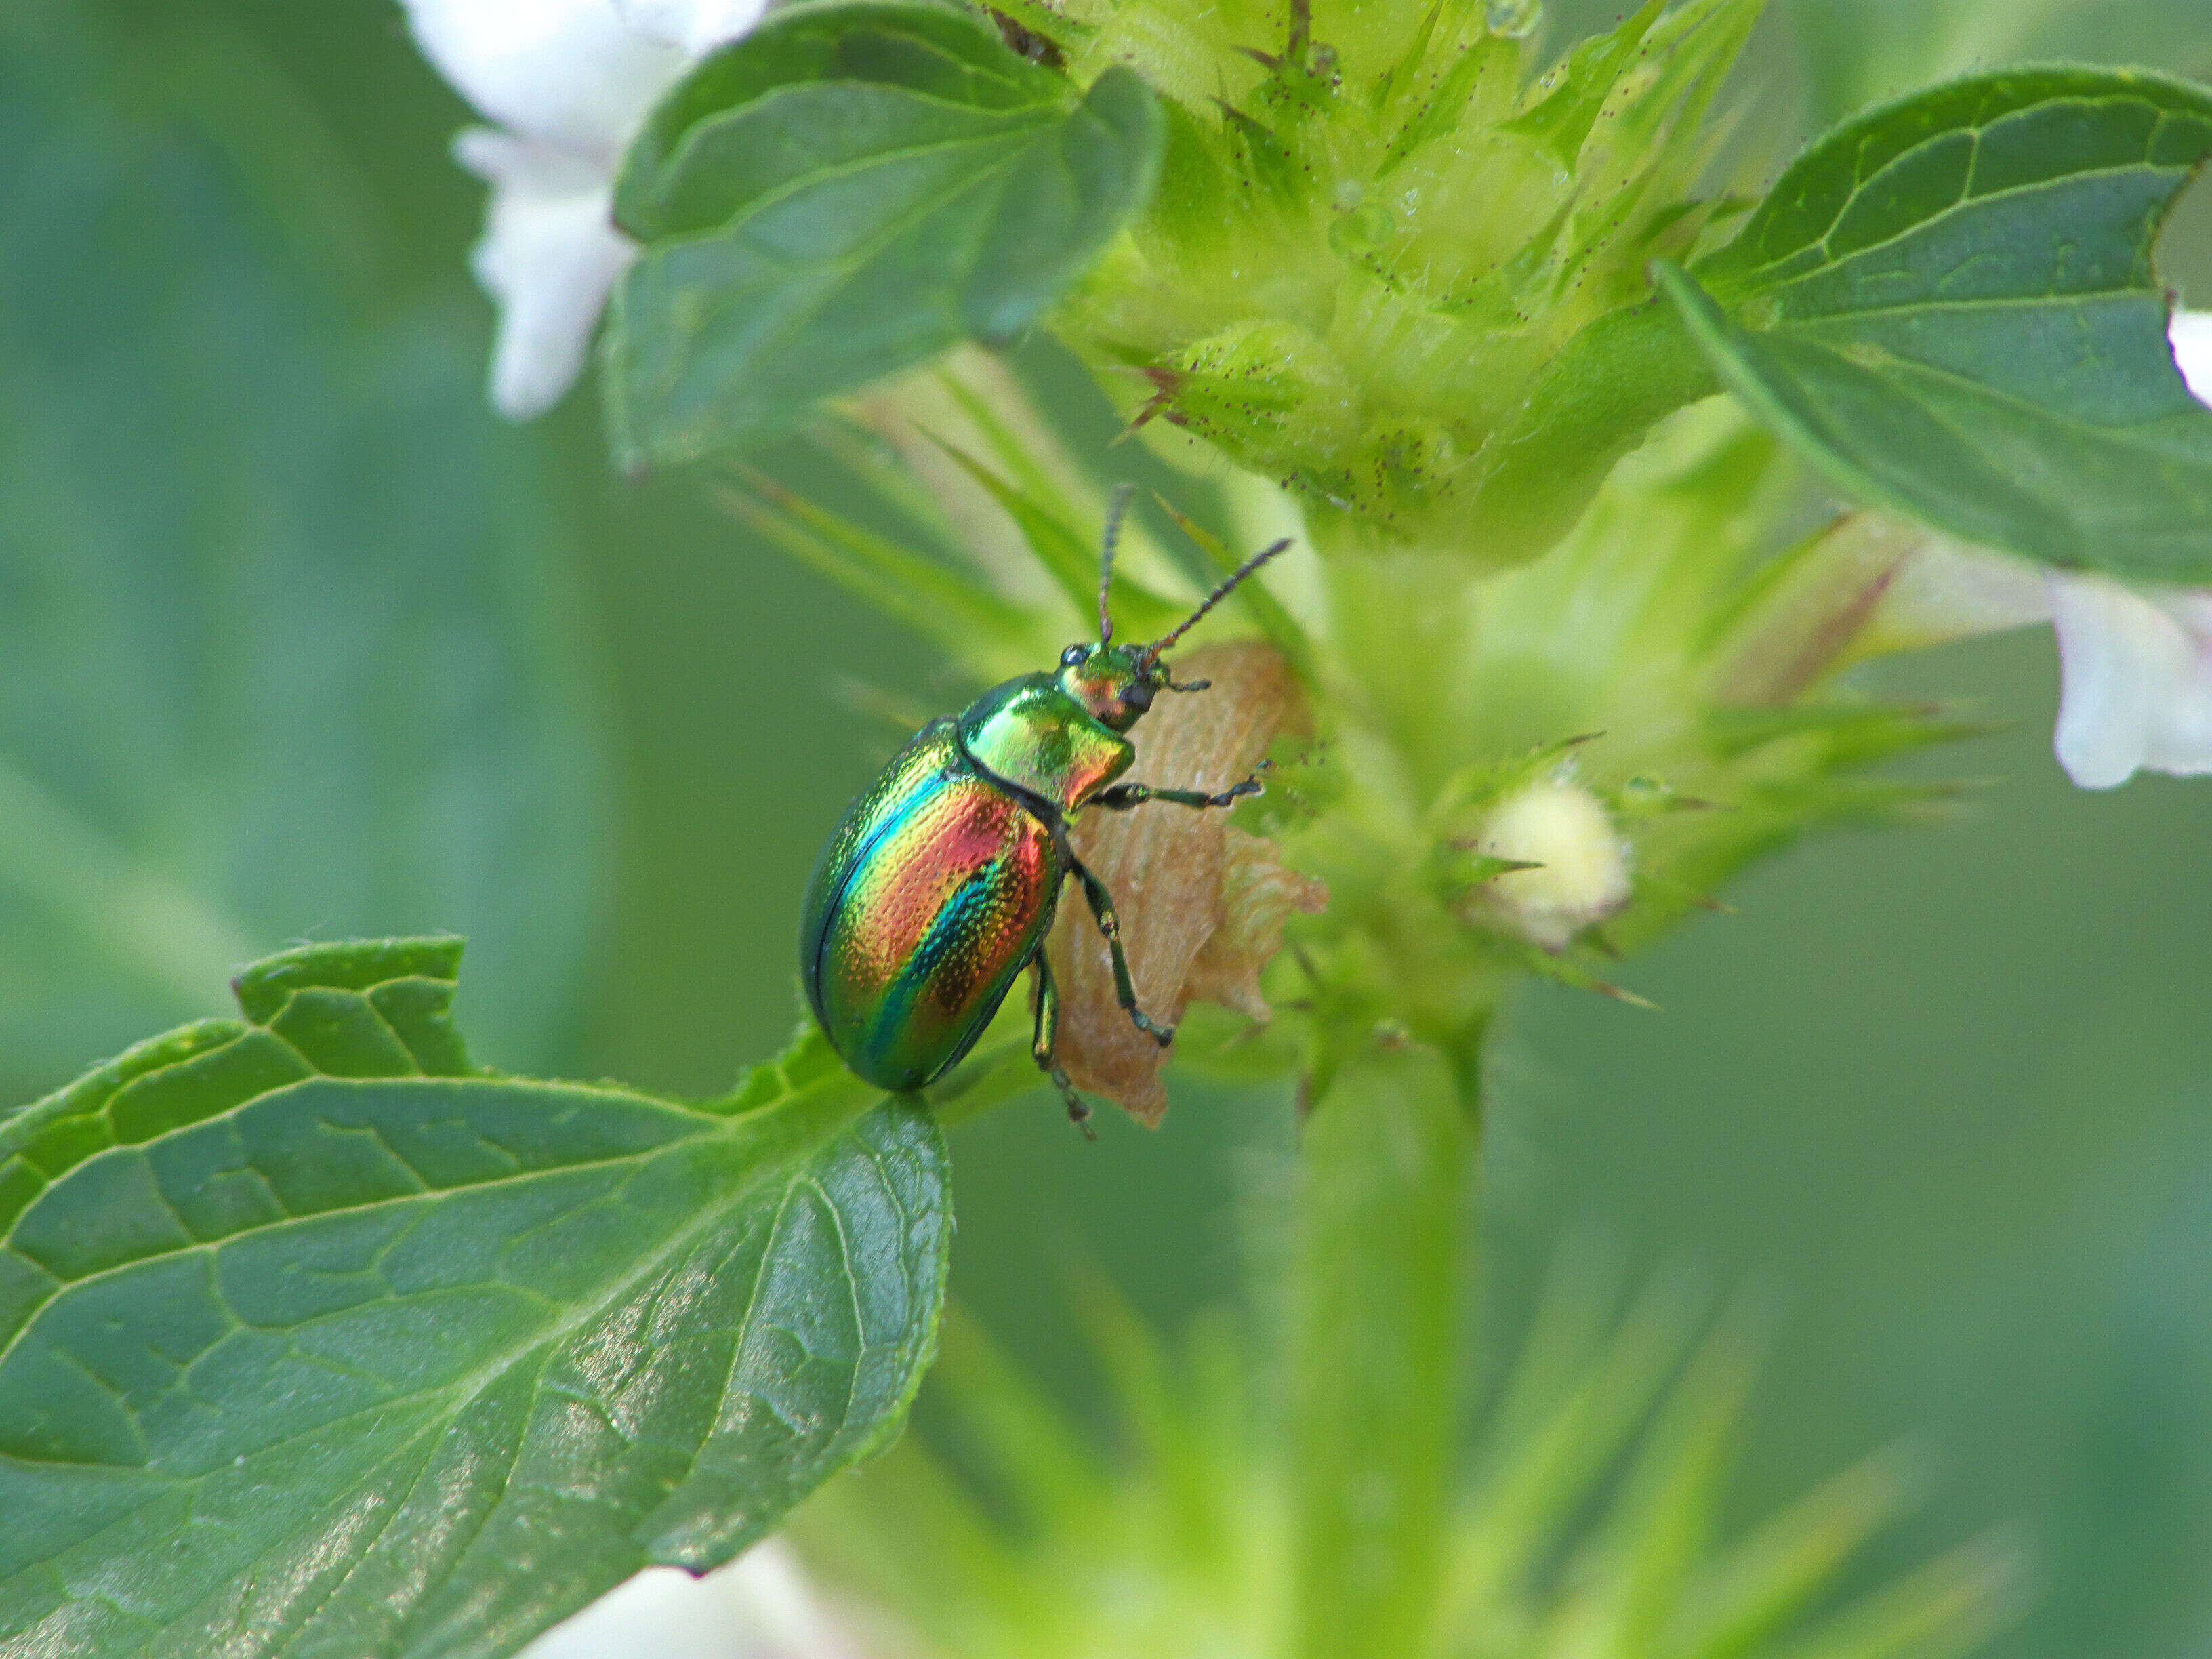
[(315, 1339), (1949, 305), (848, 190), (1588, 1526)]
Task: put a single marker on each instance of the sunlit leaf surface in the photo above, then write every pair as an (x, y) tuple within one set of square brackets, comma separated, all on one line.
[(316, 1340), (1949, 305), (846, 191)]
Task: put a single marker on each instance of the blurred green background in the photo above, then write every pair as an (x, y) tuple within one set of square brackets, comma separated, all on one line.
[(296, 641)]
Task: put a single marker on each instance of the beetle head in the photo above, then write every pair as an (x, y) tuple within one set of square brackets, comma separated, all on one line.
[(1117, 682)]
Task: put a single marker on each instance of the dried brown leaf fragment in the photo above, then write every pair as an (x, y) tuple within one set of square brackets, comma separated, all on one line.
[(1201, 906)]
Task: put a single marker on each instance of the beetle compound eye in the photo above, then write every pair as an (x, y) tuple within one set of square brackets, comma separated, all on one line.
[(1073, 656)]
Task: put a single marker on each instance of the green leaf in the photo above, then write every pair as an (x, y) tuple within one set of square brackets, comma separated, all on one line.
[(1593, 403), (927, 596), (315, 1339), (287, 644), (1949, 306), (842, 194), (818, 87), (1067, 557), (1572, 94), (1586, 1529), (1789, 1560)]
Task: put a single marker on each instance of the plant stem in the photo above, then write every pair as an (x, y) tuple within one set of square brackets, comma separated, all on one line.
[(1375, 1349)]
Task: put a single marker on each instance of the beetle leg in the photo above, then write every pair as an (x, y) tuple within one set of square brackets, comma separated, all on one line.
[(1042, 1040), (1123, 796), (1125, 991)]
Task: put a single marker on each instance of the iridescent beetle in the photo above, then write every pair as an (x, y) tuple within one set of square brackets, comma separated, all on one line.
[(941, 885)]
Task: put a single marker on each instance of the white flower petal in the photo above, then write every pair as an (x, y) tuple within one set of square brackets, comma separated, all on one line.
[(549, 255), (759, 1606), (695, 27), (570, 80), (2137, 680), (568, 72), (2182, 743), (2191, 334), (1951, 590)]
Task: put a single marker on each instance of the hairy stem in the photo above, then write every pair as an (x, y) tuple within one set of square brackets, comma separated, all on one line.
[(1376, 1375)]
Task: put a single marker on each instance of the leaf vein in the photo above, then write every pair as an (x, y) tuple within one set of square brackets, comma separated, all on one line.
[(1832, 262)]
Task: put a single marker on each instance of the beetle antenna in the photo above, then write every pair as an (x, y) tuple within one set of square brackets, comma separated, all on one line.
[(1114, 509), (1153, 654)]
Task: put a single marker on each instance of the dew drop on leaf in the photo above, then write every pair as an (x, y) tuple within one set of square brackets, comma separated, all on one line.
[(1516, 20)]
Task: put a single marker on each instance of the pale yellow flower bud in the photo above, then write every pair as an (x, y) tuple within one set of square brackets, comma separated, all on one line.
[(1582, 864)]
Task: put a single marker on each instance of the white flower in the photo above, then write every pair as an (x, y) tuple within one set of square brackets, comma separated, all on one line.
[(759, 1606), (2134, 667), (568, 82), (549, 255), (2189, 333), (2135, 659), (695, 27)]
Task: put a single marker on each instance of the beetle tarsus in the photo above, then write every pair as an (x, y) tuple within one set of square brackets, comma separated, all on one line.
[(1079, 1108), (1044, 1038), (1251, 787)]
